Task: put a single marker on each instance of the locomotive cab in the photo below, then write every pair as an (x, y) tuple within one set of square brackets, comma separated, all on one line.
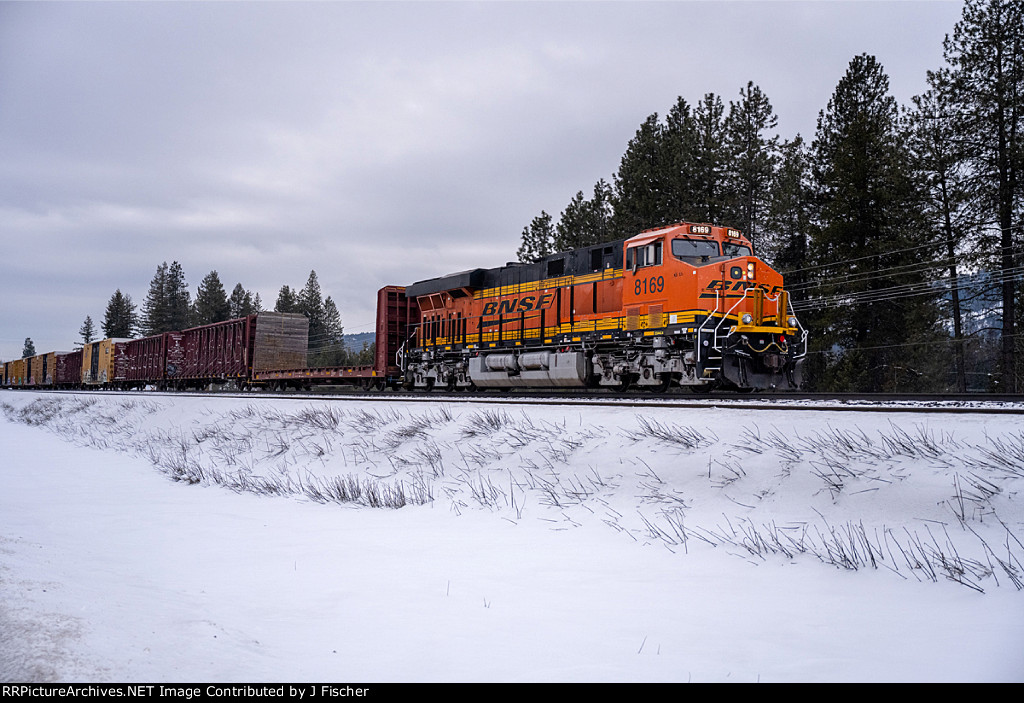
[(702, 288)]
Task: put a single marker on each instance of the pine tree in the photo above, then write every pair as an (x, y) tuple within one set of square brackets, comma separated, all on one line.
[(584, 222), (155, 308), (753, 155), (874, 307), (311, 304), (572, 230), (287, 300), (179, 300), (681, 146), (120, 318), (87, 331), (538, 239), (985, 54), (711, 158), (333, 352), (241, 303), (644, 183), (29, 349), (789, 217), (941, 163), (211, 303)]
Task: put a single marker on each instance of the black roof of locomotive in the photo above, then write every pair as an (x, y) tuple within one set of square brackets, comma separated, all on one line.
[(574, 262)]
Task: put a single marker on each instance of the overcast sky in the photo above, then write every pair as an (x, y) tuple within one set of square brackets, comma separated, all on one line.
[(377, 143)]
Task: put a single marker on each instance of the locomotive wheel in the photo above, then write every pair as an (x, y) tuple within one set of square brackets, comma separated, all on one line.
[(625, 381), (664, 381), (430, 385)]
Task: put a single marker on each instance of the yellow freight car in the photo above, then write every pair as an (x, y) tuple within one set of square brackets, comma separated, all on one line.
[(98, 361)]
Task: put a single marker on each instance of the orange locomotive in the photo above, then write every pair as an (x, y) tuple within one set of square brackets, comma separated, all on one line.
[(687, 304)]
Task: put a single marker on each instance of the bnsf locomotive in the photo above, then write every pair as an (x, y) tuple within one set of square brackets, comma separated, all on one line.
[(687, 305)]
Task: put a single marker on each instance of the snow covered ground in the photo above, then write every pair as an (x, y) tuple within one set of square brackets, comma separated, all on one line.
[(177, 538)]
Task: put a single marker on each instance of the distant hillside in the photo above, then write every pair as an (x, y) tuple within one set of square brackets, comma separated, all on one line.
[(354, 342)]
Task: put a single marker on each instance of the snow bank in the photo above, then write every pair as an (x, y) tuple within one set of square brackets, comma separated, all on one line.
[(533, 544)]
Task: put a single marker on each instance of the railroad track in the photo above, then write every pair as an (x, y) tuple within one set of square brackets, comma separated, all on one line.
[(820, 402)]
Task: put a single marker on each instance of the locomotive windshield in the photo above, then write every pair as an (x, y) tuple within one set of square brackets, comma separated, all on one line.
[(734, 250), (694, 251), (702, 251)]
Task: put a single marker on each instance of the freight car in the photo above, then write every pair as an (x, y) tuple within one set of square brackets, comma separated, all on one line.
[(688, 305)]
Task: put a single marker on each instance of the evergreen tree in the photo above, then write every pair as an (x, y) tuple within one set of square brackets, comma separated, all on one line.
[(681, 145), (120, 318), (789, 216), (241, 303), (753, 155), (573, 225), (211, 301), (179, 300), (155, 308), (87, 331), (940, 163), (644, 183), (869, 235), (311, 304), (537, 240), (711, 159), (29, 349), (168, 304), (287, 300), (333, 347), (985, 54), (585, 223)]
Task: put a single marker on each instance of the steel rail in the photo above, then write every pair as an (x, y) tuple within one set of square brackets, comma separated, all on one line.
[(954, 404)]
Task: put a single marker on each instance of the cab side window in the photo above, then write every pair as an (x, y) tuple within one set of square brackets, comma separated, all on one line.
[(639, 257)]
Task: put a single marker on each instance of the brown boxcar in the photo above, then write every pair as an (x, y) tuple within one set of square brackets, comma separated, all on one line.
[(156, 360), (68, 369)]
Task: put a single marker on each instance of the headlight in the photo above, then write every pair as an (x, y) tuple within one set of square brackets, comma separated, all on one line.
[(791, 322), (750, 270), (747, 318)]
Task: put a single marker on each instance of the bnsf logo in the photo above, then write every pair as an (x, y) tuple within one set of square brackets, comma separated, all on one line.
[(524, 304), (729, 286)]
